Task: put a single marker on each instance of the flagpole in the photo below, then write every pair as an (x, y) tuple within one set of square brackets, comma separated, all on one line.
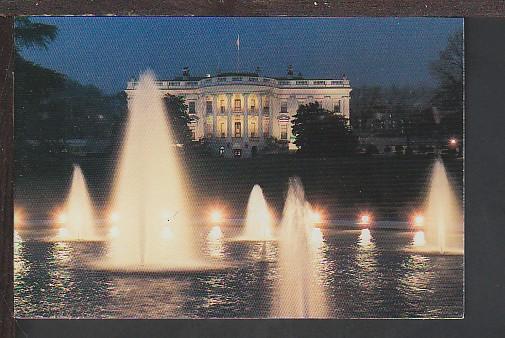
[(238, 53)]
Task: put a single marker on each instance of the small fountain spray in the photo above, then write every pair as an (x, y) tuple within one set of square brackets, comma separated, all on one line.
[(299, 293), (77, 218), (258, 223), (443, 219)]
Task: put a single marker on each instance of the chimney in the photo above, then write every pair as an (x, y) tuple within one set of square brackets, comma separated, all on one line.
[(290, 71), (185, 73)]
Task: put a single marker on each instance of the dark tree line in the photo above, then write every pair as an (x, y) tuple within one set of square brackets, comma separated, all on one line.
[(320, 132), (50, 107), (448, 99), (178, 117), (420, 110), (393, 110)]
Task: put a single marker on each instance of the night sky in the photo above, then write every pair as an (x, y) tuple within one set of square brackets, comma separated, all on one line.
[(107, 51)]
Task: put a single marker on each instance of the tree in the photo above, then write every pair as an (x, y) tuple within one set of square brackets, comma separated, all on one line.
[(49, 106), (366, 103), (33, 34), (448, 71), (179, 119), (33, 83), (319, 132)]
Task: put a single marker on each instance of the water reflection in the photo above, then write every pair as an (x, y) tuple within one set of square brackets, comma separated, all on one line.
[(365, 238), (366, 276), (47, 286), (366, 261), (215, 247), (416, 283)]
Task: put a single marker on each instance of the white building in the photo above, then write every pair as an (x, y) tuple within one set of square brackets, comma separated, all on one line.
[(237, 112)]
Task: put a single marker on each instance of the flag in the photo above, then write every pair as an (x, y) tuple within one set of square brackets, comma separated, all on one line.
[(238, 41)]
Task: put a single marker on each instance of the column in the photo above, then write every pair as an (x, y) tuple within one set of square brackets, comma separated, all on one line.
[(273, 107), (246, 118), (345, 109), (260, 116), (200, 113), (229, 117), (214, 116)]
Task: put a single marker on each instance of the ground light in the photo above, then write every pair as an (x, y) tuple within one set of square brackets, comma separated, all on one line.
[(365, 218), (62, 218), (418, 220), (316, 216), (216, 216)]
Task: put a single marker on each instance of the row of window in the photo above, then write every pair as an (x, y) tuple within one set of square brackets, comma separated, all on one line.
[(238, 106), (237, 130)]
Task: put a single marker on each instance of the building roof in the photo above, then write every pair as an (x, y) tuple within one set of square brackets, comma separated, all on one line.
[(191, 78)]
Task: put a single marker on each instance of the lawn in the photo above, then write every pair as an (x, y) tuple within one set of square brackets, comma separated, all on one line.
[(390, 188)]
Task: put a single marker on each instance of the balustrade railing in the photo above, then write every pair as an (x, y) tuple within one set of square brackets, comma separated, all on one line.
[(242, 79)]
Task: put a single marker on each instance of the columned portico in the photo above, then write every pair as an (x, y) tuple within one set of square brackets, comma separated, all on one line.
[(260, 117), (229, 117), (231, 111), (214, 116), (246, 119)]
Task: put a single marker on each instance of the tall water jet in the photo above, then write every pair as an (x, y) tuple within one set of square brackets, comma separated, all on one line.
[(77, 219), (443, 219), (151, 225), (299, 293), (258, 223)]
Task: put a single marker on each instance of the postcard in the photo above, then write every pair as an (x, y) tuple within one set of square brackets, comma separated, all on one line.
[(217, 167)]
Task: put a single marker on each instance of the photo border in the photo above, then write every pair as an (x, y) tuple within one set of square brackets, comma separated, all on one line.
[(484, 219)]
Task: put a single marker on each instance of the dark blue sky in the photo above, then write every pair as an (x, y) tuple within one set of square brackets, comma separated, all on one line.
[(107, 51)]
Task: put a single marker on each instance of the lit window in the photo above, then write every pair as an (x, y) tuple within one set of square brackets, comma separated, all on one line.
[(253, 129), (266, 126), (238, 129), (209, 107), (284, 107), (253, 105), (237, 105), (221, 130), (284, 131), (336, 108), (222, 107), (191, 107)]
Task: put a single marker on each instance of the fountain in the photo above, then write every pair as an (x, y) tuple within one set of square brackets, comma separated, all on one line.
[(151, 220), (443, 220), (258, 223), (299, 292), (77, 217)]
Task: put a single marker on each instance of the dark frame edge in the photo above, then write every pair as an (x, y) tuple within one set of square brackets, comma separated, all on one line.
[(344, 8), (7, 322)]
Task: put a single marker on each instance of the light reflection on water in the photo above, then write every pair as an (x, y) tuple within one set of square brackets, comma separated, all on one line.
[(368, 277)]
